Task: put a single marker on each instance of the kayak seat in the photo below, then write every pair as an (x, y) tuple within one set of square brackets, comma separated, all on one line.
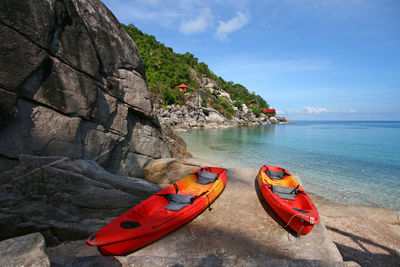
[(178, 201), (206, 177), (277, 175), (129, 224), (284, 192)]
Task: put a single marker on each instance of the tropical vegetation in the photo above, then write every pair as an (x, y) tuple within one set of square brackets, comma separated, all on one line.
[(165, 69)]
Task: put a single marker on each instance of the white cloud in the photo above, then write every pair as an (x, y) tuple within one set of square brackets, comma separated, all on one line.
[(315, 110), (234, 24), (199, 24), (312, 111), (306, 110)]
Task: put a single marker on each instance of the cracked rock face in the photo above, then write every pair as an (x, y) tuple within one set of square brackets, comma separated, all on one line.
[(64, 199), (72, 84)]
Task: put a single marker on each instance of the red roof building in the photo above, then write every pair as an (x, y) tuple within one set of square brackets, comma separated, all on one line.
[(269, 111), (183, 87)]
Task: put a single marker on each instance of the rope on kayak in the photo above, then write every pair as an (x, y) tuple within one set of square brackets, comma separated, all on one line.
[(302, 216), (311, 219), (209, 205), (298, 232), (294, 215)]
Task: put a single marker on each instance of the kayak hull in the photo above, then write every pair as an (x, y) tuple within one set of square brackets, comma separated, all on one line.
[(299, 214), (150, 220)]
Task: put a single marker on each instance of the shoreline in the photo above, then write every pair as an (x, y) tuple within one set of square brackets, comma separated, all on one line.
[(183, 118), (185, 128), (319, 198), (367, 235), (239, 231), (338, 176)]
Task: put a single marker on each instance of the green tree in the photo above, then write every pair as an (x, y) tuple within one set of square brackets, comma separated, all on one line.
[(165, 69)]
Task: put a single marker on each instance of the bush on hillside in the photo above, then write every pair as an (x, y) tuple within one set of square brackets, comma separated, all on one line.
[(165, 69), (203, 102), (169, 98), (224, 107), (256, 111)]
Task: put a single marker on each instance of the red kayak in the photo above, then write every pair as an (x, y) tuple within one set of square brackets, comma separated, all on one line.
[(160, 214), (288, 199)]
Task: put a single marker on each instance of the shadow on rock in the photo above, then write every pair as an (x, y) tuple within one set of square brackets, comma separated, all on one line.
[(211, 260), (98, 261), (209, 244), (363, 255)]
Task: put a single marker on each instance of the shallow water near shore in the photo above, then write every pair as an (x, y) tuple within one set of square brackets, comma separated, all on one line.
[(350, 162)]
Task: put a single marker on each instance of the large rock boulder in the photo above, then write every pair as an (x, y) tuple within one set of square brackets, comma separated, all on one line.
[(215, 117), (273, 120), (24, 251), (166, 171), (64, 199), (72, 84)]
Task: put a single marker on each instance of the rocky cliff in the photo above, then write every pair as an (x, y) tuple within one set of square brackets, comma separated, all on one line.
[(72, 84), (190, 116), (199, 111), (73, 102)]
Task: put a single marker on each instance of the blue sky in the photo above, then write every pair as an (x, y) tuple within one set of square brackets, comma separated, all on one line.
[(309, 59)]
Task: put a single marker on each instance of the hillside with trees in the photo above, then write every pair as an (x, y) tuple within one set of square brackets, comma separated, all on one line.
[(165, 69)]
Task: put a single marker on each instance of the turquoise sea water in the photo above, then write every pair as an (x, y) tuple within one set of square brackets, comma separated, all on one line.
[(351, 162)]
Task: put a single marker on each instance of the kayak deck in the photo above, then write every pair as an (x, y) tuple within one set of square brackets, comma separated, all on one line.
[(157, 215), (288, 199)]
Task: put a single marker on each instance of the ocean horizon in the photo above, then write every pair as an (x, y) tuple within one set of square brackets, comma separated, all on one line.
[(352, 162)]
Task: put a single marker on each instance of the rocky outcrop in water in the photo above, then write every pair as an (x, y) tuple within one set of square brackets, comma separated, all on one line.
[(198, 112), (72, 84), (190, 116)]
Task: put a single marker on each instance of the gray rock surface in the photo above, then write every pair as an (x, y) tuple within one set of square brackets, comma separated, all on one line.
[(166, 171), (76, 253), (237, 232), (64, 199), (369, 236), (273, 120), (193, 116), (72, 84), (25, 250), (238, 227)]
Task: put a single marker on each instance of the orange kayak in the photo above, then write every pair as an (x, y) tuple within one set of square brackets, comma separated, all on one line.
[(288, 199), (160, 214)]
